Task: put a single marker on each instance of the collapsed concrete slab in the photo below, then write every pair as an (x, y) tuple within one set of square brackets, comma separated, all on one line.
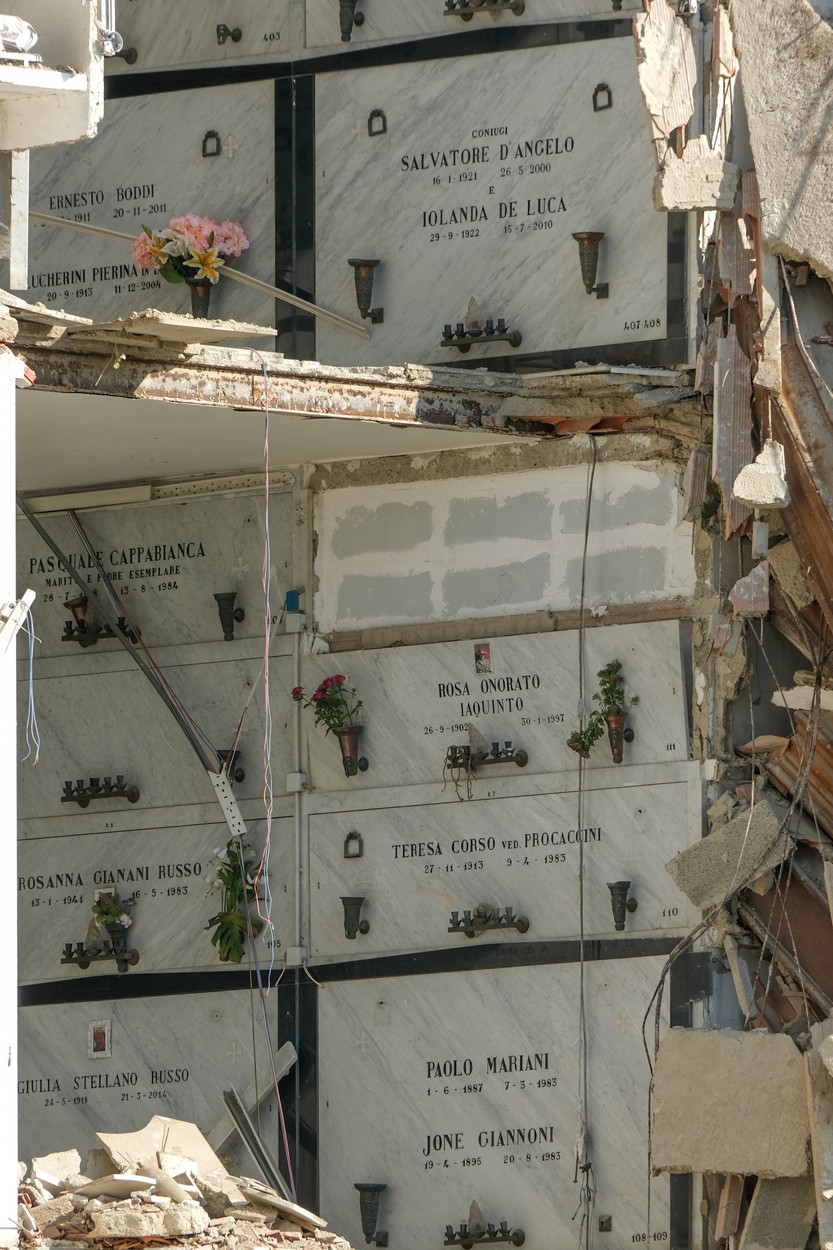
[(784, 48), (699, 179), (731, 856), (780, 1215), (716, 1097)]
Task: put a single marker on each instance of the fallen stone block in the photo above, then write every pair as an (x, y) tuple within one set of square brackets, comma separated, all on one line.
[(48, 1212), (180, 1137), (52, 1170), (119, 1185), (259, 1194), (731, 856), (699, 179), (717, 1096), (780, 1215), (127, 1220), (219, 1194)]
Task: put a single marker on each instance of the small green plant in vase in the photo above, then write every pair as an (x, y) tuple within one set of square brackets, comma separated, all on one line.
[(611, 713), (235, 876)]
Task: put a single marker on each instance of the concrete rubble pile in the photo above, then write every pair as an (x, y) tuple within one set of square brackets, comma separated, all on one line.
[(162, 1185), (762, 877)]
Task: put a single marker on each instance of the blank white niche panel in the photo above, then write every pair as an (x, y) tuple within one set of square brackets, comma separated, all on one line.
[(487, 166), (419, 700), (146, 166), (464, 1086), (167, 871), (219, 32), (421, 864)]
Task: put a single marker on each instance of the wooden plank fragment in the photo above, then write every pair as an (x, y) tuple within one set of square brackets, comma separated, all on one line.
[(732, 433), (728, 1213), (820, 1106)]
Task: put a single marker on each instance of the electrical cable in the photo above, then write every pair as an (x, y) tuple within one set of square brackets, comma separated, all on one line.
[(32, 731), (583, 1163)]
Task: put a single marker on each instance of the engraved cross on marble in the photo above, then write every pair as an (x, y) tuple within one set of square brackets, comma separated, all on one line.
[(234, 1052), (363, 1043), (240, 566), (230, 147)]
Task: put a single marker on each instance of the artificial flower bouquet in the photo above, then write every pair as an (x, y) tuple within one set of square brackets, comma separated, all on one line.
[(190, 248), (335, 704)]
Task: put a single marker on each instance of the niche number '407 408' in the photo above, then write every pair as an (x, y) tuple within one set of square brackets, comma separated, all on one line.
[(649, 323)]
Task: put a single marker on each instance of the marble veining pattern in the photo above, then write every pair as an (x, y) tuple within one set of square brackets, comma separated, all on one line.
[(406, 1088), (120, 182), (166, 561), (421, 864), (495, 221), (416, 704), (100, 725), (171, 1056), (267, 29), (167, 871)]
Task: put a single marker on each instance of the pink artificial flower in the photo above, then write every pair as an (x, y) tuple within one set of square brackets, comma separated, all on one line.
[(230, 239), (297, 692), (142, 254)]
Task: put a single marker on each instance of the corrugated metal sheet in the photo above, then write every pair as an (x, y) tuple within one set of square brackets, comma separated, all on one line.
[(784, 768), (732, 431)]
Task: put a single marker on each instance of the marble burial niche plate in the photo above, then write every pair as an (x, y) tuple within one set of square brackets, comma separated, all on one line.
[(487, 166), (216, 34), (419, 700), (457, 1087), (109, 1066), (166, 561), (420, 865), (142, 169), (167, 871)]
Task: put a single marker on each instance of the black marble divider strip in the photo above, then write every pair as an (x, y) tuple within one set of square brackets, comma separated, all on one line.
[(464, 959), (436, 47)]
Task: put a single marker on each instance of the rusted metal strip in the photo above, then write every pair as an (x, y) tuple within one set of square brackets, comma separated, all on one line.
[(793, 921)]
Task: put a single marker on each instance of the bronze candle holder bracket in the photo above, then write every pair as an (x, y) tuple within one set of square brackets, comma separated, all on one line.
[(464, 757), (484, 919), (492, 1233), (225, 32), (466, 9), (87, 632), (114, 947), (348, 18), (492, 332), (83, 793)]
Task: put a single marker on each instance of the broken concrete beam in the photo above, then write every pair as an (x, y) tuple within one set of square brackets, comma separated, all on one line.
[(780, 1215), (730, 857), (708, 1084), (181, 1137), (781, 46), (123, 1219), (260, 1194), (819, 1090), (699, 179)]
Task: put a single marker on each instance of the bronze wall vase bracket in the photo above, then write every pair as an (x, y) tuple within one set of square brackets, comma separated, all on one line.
[(588, 253), (228, 613), (620, 902), (225, 32), (353, 923), (348, 740), (363, 276), (348, 18), (491, 1234), (485, 919), (370, 1195), (466, 9), (464, 757), (492, 332), (113, 947), (98, 788)]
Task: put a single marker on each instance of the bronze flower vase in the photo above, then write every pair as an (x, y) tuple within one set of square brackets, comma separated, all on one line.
[(200, 296), (616, 734), (348, 740)]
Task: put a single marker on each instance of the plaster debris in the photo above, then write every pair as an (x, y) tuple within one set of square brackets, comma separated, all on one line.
[(780, 1215), (763, 483), (732, 433), (666, 67), (750, 595), (751, 1079), (781, 47), (729, 858), (164, 1201), (786, 567), (699, 179)]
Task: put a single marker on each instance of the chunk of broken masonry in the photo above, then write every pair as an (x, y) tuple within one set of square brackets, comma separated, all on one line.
[(699, 179), (780, 1215), (731, 856), (710, 1083), (126, 1220)]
